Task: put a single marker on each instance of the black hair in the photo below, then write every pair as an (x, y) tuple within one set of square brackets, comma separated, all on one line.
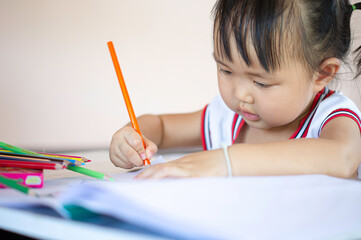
[(313, 30)]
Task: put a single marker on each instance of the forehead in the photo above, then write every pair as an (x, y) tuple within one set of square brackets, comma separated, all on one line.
[(291, 67), (269, 41), (251, 59), (235, 55)]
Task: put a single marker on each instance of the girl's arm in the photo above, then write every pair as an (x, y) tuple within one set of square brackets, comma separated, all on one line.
[(336, 153), (172, 130)]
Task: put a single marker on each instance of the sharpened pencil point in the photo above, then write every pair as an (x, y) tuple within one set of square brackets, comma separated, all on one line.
[(108, 178)]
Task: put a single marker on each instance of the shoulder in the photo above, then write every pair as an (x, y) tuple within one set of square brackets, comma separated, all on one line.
[(337, 100), (332, 105), (335, 104)]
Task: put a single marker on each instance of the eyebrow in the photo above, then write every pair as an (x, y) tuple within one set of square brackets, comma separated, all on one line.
[(255, 74), (218, 60)]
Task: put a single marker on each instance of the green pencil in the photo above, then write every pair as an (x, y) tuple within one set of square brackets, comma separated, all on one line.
[(22, 151), (15, 149), (90, 173), (12, 183)]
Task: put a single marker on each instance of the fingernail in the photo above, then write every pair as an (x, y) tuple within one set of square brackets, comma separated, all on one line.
[(142, 156)]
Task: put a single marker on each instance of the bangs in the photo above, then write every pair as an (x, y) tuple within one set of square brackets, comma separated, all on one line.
[(264, 25)]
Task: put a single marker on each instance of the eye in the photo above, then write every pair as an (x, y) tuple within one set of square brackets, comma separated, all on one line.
[(226, 72), (262, 85)]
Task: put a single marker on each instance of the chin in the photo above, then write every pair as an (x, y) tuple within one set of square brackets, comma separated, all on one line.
[(260, 125)]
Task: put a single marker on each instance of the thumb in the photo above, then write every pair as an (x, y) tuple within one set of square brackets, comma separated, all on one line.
[(150, 148)]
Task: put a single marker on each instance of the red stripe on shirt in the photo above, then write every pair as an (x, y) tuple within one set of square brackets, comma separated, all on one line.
[(314, 103), (315, 100), (234, 123), (238, 130), (309, 123), (202, 129), (356, 119), (329, 94)]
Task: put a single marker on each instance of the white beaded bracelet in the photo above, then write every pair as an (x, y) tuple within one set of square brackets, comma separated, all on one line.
[(225, 150)]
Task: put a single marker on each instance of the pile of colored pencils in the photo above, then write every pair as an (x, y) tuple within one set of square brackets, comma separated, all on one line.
[(11, 156), (17, 165)]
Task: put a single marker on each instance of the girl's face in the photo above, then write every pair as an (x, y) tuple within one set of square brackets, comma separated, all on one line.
[(265, 100)]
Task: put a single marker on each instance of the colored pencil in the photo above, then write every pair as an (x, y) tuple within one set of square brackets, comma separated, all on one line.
[(90, 173), (76, 158), (22, 157), (128, 103), (40, 156), (17, 186), (81, 159), (17, 149), (31, 165)]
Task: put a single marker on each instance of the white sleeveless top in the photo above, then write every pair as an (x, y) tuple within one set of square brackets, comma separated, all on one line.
[(221, 125)]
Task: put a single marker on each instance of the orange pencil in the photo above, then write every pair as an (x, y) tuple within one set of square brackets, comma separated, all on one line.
[(131, 113)]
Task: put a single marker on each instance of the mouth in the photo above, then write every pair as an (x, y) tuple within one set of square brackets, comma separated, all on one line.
[(248, 115)]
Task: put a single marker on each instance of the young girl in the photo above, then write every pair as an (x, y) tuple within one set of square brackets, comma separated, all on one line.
[(276, 115)]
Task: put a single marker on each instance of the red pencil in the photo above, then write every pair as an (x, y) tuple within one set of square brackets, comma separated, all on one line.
[(32, 165)]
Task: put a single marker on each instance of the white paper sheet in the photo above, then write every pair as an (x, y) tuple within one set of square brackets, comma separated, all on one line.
[(282, 207)]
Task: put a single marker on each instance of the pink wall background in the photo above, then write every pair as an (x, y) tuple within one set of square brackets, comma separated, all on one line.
[(58, 86)]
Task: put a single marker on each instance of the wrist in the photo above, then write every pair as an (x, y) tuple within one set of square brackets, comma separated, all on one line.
[(227, 159)]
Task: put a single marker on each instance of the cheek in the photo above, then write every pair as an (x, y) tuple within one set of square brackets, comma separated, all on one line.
[(281, 108)]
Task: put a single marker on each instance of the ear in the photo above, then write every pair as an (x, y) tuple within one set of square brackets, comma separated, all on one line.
[(328, 69)]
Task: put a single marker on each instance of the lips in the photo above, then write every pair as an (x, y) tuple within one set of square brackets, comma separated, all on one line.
[(248, 115)]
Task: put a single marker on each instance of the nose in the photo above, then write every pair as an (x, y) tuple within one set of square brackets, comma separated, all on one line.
[(244, 95)]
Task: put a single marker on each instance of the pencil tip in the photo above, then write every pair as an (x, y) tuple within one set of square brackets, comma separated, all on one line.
[(146, 162), (108, 178), (85, 159)]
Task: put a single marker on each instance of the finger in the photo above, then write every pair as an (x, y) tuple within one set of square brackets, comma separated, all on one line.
[(151, 148), (135, 141), (119, 160), (146, 173), (162, 171), (115, 155), (131, 155), (169, 172)]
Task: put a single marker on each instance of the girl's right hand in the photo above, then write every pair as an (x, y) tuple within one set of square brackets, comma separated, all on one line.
[(126, 148)]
